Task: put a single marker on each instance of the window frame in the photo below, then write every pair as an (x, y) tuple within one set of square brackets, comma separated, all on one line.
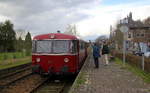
[(36, 46), (52, 50)]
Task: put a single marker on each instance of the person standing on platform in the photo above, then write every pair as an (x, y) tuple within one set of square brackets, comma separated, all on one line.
[(105, 52), (96, 55)]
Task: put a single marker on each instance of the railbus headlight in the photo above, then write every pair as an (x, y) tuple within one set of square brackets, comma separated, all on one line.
[(38, 59), (66, 60)]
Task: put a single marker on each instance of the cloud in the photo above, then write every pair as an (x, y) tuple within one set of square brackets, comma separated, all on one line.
[(101, 17), (43, 16), (3, 18), (91, 17)]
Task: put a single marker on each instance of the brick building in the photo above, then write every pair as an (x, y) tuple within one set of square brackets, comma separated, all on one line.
[(138, 34)]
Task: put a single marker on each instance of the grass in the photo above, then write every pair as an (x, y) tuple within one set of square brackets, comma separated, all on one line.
[(13, 59), (15, 62), (81, 79), (144, 75), (6, 56)]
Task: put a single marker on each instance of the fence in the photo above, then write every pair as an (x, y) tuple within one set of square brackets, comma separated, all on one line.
[(134, 60)]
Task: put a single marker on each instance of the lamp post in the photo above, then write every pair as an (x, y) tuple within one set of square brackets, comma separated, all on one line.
[(124, 29)]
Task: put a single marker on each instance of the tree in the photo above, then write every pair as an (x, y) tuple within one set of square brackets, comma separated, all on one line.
[(118, 38), (8, 37), (19, 45), (1, 41), (147, 21), (101, 39), (28, 44), (71, 30), (20, 33)]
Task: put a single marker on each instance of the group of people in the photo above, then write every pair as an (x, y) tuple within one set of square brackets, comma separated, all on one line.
[(98, 51)]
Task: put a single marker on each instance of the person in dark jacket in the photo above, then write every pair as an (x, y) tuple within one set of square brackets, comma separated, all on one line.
[(105, 52), (96, 54)]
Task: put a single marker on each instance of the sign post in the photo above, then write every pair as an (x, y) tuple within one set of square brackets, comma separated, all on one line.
[(142, 50), (124, 29), (143, 64)]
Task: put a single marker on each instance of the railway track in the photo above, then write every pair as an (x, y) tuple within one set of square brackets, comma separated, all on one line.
[(23, 81), (13, 77), (56, 85), (51, 87), (24, 85), (13, 70), (5, 75), (34, 83)]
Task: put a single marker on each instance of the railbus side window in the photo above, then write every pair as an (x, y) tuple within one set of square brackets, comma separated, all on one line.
[(74, 46), (33, 46), (82, 45)]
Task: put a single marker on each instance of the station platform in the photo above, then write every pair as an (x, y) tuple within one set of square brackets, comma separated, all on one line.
[(107, 79)]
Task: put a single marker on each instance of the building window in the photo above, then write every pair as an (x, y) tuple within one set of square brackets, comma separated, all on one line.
[(129, 35), (137, 35), (142, 35)]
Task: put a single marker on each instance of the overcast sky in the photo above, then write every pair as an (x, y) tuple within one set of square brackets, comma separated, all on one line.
[(92, 17)]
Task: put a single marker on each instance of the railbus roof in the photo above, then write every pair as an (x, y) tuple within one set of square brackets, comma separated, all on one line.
[(55, 36)]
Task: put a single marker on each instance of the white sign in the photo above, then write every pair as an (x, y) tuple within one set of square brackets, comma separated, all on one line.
[(124, 29)]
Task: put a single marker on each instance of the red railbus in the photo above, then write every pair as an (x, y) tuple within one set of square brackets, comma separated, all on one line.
[(58, 53)]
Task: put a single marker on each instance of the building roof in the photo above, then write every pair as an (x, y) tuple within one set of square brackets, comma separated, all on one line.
[(140, 27)]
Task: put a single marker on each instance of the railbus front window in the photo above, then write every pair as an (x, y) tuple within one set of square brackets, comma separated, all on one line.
[(54, 46), (44, 46), (61, 46)]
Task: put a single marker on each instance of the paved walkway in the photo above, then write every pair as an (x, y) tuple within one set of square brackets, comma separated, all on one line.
[(111, 79)]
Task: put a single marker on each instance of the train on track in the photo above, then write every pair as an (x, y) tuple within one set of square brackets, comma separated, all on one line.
[(58, 53)]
